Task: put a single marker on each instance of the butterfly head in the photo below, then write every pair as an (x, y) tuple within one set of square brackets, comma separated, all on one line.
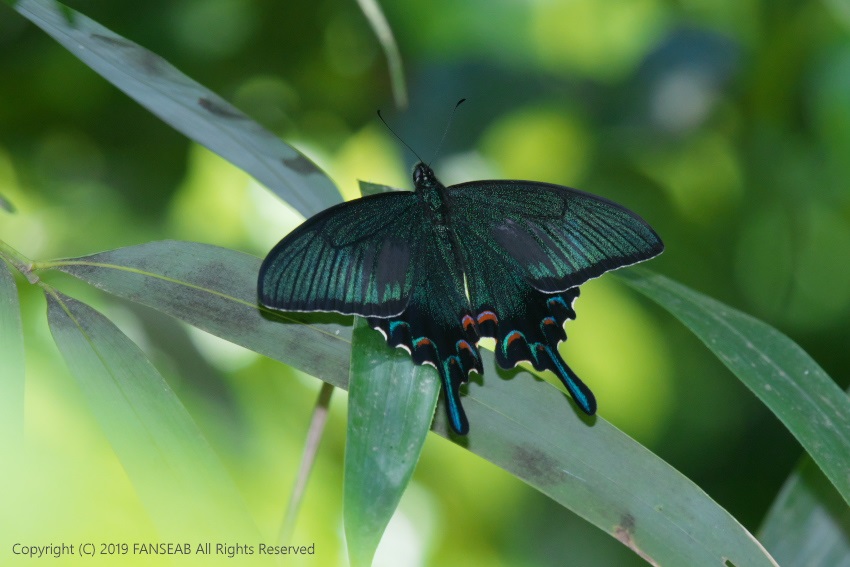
[(423, 176)]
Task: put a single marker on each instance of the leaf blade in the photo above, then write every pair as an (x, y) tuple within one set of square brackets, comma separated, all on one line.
[(523, 425), (808, 524), (532, 430), (390, 408), (783, 376), (171, 465), (214, 289), (187, 106)]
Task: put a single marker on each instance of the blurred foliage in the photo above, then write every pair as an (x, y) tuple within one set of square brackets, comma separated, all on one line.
[(724, 124)]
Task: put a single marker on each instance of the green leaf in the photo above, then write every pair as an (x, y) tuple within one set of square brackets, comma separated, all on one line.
[(215, 289), (368, 188), (12, 364), (186, 105), (173, 469), (775, 368), (535, 432), (390, 408), (524, 425), (808, 524)]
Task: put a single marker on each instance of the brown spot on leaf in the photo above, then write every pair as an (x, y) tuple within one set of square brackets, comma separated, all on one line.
[(540, 467), (152, 63), (219, 109), (625, 532), (300, 164)]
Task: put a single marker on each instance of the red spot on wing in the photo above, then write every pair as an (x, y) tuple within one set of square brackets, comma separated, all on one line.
[(467, 322), (514, 336), (549, 321), (464, 344), (422, 341), (487, 316)]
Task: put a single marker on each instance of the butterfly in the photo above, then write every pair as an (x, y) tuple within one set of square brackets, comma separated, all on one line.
[(436, 269)]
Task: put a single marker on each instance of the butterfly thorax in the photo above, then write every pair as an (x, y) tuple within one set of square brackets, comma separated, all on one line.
[(432, 193)]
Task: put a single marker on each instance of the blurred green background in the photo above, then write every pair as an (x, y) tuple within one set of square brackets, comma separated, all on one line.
[(725, 124)]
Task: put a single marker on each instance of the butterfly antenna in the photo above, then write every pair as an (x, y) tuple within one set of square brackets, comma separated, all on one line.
[(446, 131), (397, 136)]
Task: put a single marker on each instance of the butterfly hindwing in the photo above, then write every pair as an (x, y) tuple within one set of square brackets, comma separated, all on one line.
[(354, 258), (527, 247), (527, 324), (437, 328)]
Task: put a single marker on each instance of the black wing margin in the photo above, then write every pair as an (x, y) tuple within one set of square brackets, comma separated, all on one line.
[(353, 258)]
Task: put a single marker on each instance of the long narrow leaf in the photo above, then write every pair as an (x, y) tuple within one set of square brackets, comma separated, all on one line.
[(175, 472), (533, 431), (187, 106), (808, 524), (215, 289), (775, 368), (12, 369), (523, 425), (390, 407)]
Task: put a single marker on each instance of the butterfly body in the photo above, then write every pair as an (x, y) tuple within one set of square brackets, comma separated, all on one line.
[(437, 269)]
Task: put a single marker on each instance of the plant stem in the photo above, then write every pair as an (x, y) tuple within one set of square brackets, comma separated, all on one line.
[(311, 447), (382, 30), (19, 261)]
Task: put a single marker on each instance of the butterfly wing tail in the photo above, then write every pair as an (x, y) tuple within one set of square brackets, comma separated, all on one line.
[(584, 398), (544, 355), (453, 375), (454, 358), (535, 336)]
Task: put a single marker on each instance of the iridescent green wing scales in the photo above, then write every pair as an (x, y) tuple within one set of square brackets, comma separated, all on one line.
[(354, 258), (560, 237)]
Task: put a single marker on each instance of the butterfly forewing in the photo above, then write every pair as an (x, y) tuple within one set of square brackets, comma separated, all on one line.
[(559, 236), (354, 258)]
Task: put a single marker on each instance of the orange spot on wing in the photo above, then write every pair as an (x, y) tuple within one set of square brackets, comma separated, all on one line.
[(421, 341), (488, 316), (514, 336), (467, 322)]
